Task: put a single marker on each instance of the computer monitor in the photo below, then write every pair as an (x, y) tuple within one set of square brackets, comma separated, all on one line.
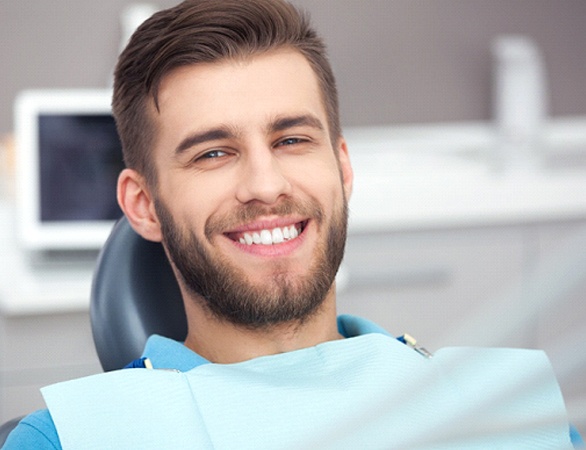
[(68, 159)]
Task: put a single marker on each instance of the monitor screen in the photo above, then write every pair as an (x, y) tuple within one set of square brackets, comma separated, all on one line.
[(80, 157), (68, 160)]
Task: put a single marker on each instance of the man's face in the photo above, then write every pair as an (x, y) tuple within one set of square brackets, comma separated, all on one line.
[(251, 197)]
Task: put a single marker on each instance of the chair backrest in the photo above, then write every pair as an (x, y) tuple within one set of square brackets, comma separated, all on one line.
[(134, 295)]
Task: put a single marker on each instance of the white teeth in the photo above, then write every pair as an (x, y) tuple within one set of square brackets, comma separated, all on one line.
[(266, 237), (270, 237), (277, 236)]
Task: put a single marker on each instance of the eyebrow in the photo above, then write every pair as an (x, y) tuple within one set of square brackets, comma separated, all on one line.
[(284, 123), (213, 134)]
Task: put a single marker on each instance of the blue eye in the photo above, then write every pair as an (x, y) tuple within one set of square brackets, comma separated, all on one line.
[(291, 141), (213, 154)]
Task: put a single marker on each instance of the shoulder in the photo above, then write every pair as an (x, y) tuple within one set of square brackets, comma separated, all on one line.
[(36, 430)]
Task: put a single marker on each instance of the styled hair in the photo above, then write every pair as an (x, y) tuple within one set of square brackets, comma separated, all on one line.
[(203, 31)]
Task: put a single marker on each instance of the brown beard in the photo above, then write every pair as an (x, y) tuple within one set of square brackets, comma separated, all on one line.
[(224, 289)]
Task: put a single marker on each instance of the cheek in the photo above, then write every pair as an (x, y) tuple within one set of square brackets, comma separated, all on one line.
[(190, 192), (320, 170), (187, 203), (324, 185)]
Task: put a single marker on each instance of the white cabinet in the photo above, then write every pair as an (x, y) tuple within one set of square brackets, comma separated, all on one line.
[(433, 285), (561, 263)]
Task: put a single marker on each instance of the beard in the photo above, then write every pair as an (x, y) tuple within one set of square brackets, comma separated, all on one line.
[(225, 291)]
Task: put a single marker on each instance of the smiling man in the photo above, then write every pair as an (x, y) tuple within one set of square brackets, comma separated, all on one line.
[(228, 115), (250, 201)]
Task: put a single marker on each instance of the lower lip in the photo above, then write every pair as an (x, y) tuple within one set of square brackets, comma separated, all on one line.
[(276, 250)]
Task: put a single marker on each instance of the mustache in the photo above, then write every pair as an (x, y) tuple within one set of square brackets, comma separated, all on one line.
[(253, 211)]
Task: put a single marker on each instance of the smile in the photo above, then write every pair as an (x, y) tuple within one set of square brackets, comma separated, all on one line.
[(273, 236)]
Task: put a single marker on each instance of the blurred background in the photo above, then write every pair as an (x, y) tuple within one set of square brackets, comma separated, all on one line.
[(445, 244), (397, 61)]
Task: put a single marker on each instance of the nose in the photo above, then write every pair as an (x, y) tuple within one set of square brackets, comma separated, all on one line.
[(263, 178)]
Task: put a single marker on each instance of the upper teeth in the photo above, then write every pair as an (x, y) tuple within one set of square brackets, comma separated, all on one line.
[(270, 237)]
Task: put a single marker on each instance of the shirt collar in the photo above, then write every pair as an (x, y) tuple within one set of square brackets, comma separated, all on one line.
[(352, 326), (165, 353)]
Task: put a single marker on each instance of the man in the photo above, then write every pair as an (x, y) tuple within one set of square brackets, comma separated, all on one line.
[(228, 115)]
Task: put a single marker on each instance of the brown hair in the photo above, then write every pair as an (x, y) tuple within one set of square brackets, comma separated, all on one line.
[(197, 31)]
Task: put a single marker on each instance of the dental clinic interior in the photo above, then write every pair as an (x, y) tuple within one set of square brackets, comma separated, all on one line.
[(466, 127)]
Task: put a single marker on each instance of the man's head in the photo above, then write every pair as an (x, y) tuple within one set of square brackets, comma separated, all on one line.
[(205, 31), (249, 175)]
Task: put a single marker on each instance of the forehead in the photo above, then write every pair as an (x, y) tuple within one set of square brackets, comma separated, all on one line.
[(240, 93)]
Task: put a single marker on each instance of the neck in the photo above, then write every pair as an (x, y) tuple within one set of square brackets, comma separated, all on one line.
[(222, 342)]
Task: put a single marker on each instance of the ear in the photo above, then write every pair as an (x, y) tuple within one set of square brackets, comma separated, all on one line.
[(136, 201), (345, 167)]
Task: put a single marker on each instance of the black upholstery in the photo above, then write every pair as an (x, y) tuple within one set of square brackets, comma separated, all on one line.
[(134, 294)]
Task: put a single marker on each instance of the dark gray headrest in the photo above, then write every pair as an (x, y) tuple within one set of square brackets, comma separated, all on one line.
[(134, 295)]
